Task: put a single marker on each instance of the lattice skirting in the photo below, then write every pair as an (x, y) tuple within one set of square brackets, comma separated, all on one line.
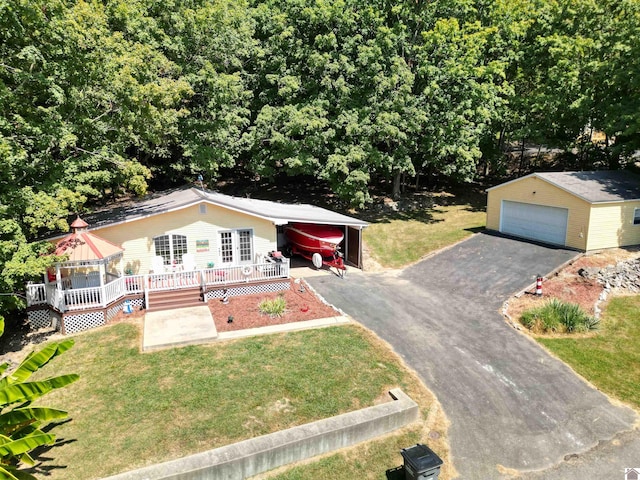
[(113, 310), (39, 318), (83, 321), (248, 290), (137, 303)]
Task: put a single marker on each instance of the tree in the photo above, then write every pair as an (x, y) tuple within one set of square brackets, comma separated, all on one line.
[(616, 81), (334, 95), (462, 94), (213, 44), (21, 423)]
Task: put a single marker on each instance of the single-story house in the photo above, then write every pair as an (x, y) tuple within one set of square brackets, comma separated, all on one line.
[(580, 210), (174, 248)]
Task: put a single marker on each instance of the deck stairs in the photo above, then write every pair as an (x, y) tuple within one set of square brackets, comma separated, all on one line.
[(170, 299)]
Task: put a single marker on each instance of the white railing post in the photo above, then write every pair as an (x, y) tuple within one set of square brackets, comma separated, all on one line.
[(60, 300), (146, 291)]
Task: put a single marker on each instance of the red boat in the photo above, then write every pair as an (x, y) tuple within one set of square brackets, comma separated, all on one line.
[(318, 243)]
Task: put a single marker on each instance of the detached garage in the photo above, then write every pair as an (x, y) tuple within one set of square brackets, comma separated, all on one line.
[(581, 210)]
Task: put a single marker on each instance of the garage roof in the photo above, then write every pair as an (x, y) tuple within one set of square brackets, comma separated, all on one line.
[(595, 186), (167, 201)]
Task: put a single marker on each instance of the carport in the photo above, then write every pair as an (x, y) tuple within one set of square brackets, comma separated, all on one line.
[(352, 228)]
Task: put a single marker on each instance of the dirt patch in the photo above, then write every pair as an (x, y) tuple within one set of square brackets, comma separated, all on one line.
[(370, 264), (569, 286), (302, 304)]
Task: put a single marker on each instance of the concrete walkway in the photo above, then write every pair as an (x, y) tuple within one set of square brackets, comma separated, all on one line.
[(178, 327), (194, 325)]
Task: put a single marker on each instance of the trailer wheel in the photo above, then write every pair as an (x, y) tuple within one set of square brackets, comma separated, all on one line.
[(316, 259)]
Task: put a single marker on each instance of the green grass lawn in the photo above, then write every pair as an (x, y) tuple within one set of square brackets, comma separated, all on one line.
[(399, 240), (609, 359), (131, 409)]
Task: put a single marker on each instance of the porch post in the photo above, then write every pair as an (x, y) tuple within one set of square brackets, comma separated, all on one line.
[(59, 294), (146, 291), (58, 277), (103, 271), (121, 261)]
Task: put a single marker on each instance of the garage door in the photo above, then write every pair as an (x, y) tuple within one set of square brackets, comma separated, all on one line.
[(536, 222)]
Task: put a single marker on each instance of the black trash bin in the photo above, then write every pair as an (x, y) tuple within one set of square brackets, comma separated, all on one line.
[(421, 463)]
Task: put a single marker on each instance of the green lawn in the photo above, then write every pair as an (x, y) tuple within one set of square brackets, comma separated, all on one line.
[(399, 240), (611, 358), (130, 409)]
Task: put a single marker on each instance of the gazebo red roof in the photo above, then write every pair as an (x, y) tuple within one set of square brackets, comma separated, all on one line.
[(83, 246)]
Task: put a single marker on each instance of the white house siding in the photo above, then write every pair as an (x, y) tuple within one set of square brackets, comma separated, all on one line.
[(611, 225), (136, 237)]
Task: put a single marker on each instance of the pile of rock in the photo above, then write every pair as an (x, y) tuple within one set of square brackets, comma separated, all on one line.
[(623, 275)]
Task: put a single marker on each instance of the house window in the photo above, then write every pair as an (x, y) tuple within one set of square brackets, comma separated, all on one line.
[(171, 248), (244, 239), (226, 247), (636, 216), (236, 246), (203, 208)]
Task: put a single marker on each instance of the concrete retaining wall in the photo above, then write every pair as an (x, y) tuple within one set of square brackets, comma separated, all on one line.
[(251, 457)]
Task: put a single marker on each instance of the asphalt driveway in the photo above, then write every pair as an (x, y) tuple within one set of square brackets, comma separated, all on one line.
[(511, 405)]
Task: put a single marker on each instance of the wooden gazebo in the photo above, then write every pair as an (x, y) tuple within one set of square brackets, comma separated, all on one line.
[(91, 262)]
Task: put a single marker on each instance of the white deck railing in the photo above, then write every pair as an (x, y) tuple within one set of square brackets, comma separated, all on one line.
[(134, 283), (82, 298), (113, 291), (55, 297), (36, 294), (173, 280), (94, 297), (246, 273)]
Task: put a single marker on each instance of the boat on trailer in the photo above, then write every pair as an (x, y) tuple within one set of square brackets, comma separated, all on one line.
[(318, 243)]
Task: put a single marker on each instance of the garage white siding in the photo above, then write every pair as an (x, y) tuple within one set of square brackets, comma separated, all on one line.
[(536, 222)]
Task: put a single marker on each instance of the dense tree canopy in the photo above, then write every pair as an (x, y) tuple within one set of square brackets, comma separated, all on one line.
[(100, 98)]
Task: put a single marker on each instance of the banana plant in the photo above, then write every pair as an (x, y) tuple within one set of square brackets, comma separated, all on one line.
[(20, 422)]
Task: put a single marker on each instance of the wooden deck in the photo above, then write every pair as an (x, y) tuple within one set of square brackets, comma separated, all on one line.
[(67, 298)]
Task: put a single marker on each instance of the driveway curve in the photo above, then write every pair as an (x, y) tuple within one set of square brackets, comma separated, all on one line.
[(512, 406)]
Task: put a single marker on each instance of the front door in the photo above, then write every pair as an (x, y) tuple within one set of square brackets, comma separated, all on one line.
[(235, 247)]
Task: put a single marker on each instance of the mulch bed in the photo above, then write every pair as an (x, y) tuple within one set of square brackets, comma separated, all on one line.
[(301, 305), (567, 285)]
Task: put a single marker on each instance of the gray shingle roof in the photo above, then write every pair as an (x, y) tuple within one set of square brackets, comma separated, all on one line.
[(597, 186), (161, 202)]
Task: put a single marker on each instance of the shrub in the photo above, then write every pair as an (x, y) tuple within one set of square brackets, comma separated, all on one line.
[(24, 427), (558, 316), (274, 307)]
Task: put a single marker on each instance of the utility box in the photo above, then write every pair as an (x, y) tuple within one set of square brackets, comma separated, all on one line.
[(421, 463)]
